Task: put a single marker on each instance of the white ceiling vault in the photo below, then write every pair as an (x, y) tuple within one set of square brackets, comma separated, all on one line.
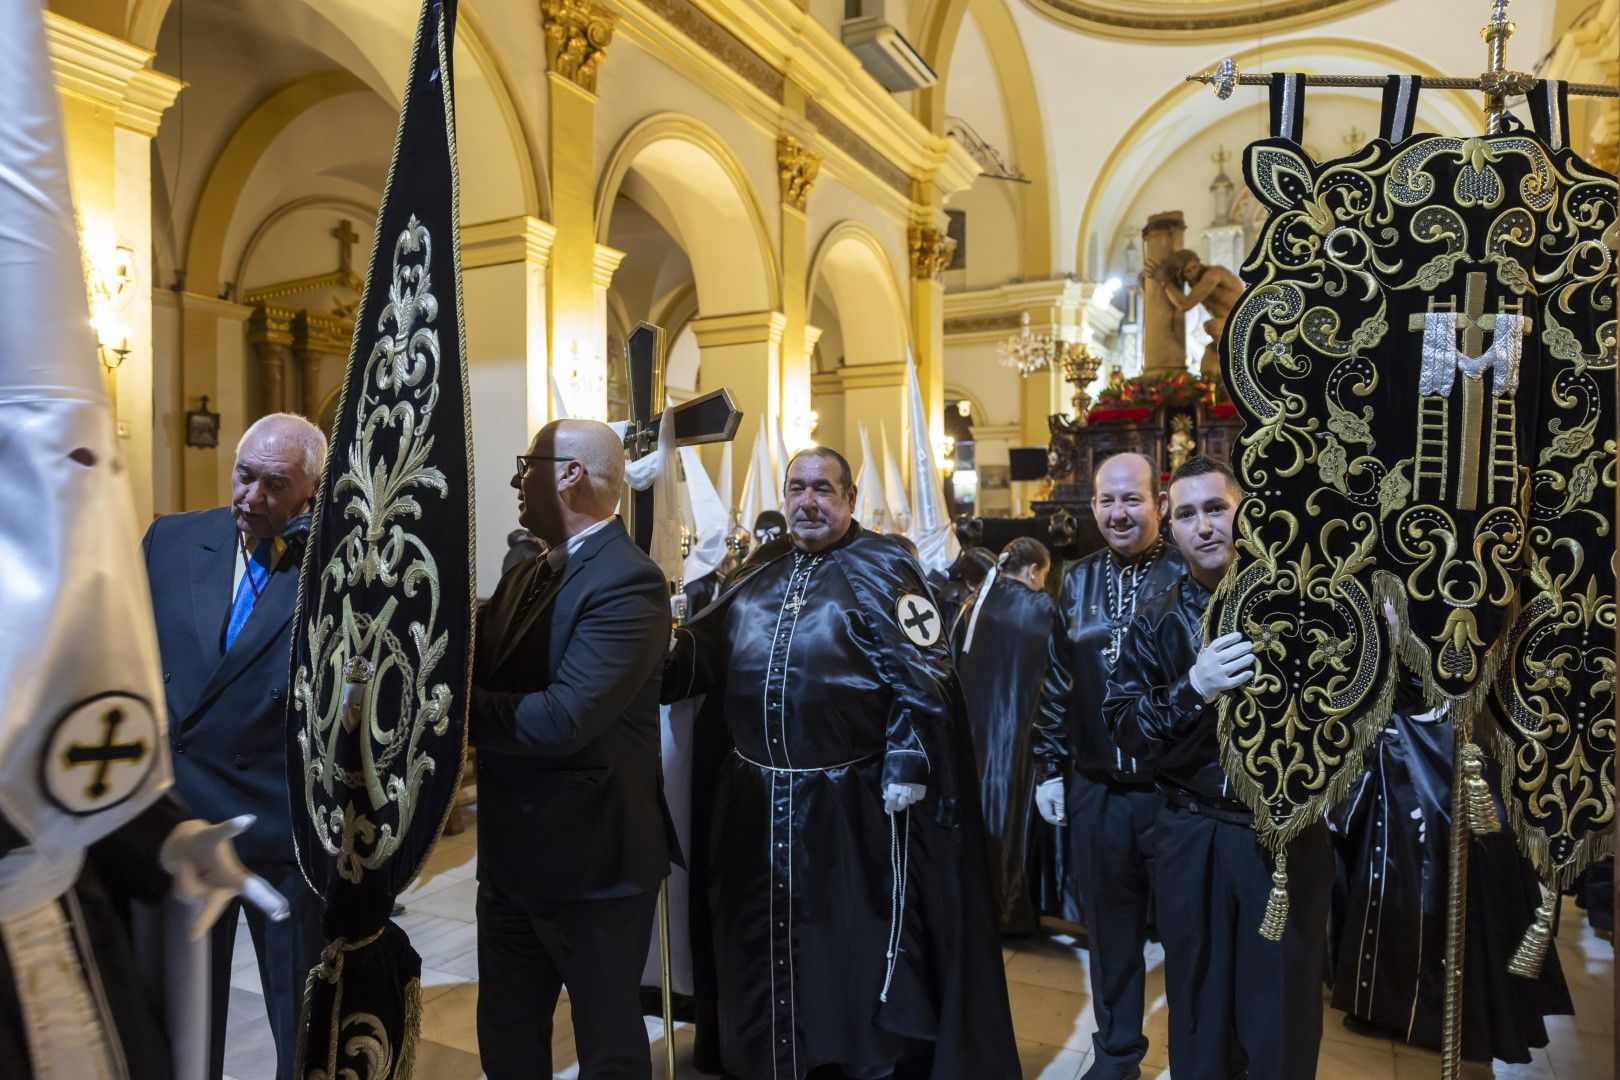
[(1117, 115)]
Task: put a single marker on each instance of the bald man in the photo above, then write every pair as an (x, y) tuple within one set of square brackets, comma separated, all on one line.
[(1106, 797), (573, 834), (224, 582)]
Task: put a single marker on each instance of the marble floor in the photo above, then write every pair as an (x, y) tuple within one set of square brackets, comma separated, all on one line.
[(1046, 977)]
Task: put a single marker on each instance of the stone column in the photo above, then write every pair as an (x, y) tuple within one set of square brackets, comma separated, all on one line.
[(744, 354), (503, 287), (1164, 328), (797, 169), (931, 252), (112, 103), (875, 394), (577, 36)]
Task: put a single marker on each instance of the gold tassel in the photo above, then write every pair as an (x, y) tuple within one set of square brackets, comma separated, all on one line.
[(1482, 819), (1276, 916), (1527, 958)]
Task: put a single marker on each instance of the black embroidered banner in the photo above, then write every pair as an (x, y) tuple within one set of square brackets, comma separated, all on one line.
[(1423, 360), (383, 641)]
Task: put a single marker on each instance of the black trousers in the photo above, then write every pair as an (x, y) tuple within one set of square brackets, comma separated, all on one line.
[(286, 952), (528, 950), (1235, 997), (1111, 840)]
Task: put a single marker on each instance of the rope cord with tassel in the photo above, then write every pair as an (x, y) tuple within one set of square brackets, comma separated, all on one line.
[(1275, 919)]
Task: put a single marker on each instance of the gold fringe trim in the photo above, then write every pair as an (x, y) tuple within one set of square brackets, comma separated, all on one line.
[(1275, 919), (1534, 841), (411, 1036), (1527, 958), (1482, 819)]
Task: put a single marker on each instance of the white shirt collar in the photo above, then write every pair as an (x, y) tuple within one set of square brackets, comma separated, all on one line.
[(557, 556)]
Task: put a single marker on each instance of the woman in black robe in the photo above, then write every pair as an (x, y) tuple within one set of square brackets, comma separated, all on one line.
[(1000, 648), (1392, 834)]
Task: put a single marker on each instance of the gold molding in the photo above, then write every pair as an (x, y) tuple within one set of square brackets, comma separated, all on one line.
[(931, 251), (343, 279), (605, 263), (524, 239), (108, 70), (745, 328), (873, 376), (1200, 20), (796, 169), (577, 37)]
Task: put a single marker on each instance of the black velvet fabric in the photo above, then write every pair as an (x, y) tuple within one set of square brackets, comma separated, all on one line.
[(388, 577), (1423, 362)]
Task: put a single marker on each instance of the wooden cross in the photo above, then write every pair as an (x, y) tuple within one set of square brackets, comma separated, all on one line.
[(346, 237), (712, 417), (103, 757)]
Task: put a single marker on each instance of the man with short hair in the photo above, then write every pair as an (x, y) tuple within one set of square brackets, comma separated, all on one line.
[(1239, 1004), (1105, 795), (224, 583), (851, 915), (573, 834)]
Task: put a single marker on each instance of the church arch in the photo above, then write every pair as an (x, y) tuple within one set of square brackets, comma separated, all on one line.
[(704, 200), (1184, 112), (938, 24), (852, 271)]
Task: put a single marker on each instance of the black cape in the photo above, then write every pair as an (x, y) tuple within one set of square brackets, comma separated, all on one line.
[(947, 1007), (1001, 682), (1392, 835)]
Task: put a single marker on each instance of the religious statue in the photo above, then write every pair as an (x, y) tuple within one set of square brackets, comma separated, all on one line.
[(1187, 283)]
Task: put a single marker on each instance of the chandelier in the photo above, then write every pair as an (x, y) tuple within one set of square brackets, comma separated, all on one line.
[(1027, 352)]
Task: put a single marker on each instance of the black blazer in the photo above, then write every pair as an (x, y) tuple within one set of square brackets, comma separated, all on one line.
[(227, 710), (565, 719)]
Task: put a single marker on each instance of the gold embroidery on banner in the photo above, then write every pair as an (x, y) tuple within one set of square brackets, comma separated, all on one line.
[(1464, 525), (357, 657)]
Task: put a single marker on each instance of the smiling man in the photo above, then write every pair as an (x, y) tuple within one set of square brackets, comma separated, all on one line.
[(852, 929), (1104, 794), (1239, 1003)]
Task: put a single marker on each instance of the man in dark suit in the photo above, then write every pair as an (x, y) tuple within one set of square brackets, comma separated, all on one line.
[(224, 583), (573, 834)]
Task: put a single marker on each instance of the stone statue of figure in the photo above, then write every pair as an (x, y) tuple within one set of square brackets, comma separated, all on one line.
[(1187, 283)]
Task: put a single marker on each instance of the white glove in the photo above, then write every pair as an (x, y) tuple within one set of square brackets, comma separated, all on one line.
[(206, 872), (1226, 662), (896, 797), (1049, 800)]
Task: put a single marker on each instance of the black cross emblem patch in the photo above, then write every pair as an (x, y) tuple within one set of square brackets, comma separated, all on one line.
[(100, 753), (918, 619), (104, 755)]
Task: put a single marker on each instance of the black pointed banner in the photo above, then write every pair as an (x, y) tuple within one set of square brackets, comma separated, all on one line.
[(383, 632)]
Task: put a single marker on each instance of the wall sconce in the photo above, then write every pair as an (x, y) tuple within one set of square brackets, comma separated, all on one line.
[(108, 277)]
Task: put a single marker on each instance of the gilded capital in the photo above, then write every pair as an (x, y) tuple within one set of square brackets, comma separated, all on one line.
[(796, 168), (577, 36), (931, 252)]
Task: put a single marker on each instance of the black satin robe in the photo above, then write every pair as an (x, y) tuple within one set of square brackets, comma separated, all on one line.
[(1001, 682), (1392, 835), (823, 703)]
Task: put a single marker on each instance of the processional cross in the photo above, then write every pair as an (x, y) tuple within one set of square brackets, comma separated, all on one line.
[(711, 418)]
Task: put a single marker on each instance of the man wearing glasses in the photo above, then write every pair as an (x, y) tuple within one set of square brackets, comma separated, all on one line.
[(573, 834)]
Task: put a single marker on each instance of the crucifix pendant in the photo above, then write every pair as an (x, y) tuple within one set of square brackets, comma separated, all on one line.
[(1111, 654)]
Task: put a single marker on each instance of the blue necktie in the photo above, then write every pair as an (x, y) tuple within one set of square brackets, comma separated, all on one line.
[(248, 589)]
